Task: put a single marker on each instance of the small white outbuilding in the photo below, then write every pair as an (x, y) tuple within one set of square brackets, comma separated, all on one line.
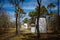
[(25, 25), (42, 26)]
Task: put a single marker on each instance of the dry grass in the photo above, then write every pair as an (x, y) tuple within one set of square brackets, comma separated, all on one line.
[(24, 35), (7, 33)]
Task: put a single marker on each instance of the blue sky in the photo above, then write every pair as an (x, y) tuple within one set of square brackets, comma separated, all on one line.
[(28, 6)]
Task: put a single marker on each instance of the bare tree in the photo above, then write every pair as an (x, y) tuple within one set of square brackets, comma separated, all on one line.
[(18, 11)]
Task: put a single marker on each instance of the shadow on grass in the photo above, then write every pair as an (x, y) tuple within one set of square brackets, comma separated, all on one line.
[(8, 38), (32, 37)]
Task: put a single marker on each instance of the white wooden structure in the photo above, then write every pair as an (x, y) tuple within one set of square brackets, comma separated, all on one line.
[(25, 25), (42, 26)]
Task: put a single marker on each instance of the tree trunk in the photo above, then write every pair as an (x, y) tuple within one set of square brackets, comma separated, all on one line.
[(58, 18), (16, 25), (17, 28), (37, 28), (38, 16)]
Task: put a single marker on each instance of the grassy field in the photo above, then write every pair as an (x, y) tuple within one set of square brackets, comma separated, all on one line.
[(24, 35), (6, 33)]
